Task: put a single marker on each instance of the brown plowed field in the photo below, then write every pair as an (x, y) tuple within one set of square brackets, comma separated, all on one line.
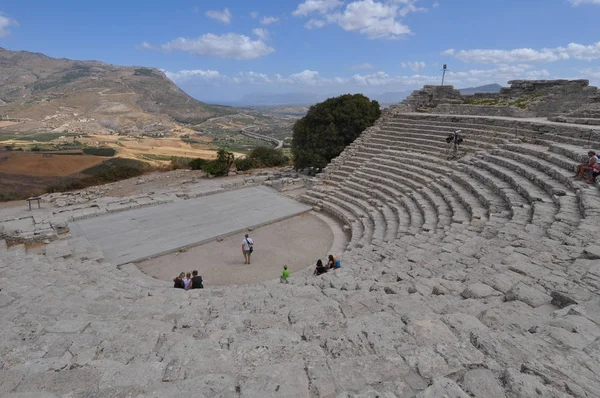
[(36, 164)]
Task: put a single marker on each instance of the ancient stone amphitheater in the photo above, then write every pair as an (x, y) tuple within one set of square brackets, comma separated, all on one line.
[(470, 278)]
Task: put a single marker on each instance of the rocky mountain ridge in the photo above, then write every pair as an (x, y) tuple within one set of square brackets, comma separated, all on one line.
[(49, 94)]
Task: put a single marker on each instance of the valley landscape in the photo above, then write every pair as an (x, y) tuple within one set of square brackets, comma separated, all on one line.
[(51, 110)]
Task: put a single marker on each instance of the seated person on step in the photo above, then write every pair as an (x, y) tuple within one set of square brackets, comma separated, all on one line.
[(334, 262), (594, 172), (320, 268), (178, 281), (196, 281), (587, 167)]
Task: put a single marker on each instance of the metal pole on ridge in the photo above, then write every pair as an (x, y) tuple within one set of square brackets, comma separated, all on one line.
[(444, 68)]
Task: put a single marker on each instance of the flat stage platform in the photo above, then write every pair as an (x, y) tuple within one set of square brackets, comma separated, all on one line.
[(139, 234)]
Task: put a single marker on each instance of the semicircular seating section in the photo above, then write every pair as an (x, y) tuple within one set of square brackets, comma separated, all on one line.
[(514, 177), (471, 278)]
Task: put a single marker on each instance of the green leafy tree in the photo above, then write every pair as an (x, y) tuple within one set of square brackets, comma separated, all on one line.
[(329, 127)]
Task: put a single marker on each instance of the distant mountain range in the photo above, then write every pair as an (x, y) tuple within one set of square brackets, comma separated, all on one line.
[(50, 94), (304, 99)]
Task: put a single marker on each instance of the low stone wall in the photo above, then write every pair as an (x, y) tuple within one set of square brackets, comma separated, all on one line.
[(488, 110)]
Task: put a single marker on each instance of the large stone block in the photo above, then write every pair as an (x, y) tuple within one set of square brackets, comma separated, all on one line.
[(528, 295), (443, 388)]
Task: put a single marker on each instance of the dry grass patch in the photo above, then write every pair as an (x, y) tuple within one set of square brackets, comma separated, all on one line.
[(37, 164)]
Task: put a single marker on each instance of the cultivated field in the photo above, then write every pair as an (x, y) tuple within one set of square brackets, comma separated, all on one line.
[(40, 165)]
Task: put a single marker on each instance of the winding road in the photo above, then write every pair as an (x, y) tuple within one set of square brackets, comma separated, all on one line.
[(254, 134)]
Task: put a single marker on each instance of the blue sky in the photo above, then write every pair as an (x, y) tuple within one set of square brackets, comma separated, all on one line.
[(220, 51)]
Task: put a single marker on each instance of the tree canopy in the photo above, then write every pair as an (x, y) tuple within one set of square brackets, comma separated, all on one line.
[(329, 127)]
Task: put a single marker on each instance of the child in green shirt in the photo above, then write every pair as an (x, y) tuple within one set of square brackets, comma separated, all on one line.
[(285, 275)]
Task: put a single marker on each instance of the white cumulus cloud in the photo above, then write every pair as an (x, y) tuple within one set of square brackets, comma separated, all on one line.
[(268, 20), (375, 19), (415, 66), (321, 6), (5, 24), (580, 2), (227, 46), (315, 23), (221, 16), (261, 33), (519, 55)]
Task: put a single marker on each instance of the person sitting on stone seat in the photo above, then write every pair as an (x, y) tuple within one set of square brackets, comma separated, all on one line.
[(187, 281), (196, 282), (594, 172), (178, 281), (320, 268), (333, 262), (587, 167)]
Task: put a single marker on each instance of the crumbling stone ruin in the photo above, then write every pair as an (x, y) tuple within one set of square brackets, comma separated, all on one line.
[(477, 277), (569, 101)]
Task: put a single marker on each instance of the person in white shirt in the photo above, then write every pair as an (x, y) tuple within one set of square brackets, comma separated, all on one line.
[(247, 248)]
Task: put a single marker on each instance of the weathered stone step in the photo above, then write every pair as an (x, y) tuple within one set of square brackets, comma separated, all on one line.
[(395, 197), (459, 213), (348, 218), (398, 131), (354, 206), (356, 196), (475, 130), (553, 187), (454, 123), (514, 200), (543, 207), (423, 142), (400, 191), (388, 205), (470, 202)]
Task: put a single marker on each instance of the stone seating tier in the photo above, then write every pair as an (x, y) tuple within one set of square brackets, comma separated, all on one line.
[(477, 278)]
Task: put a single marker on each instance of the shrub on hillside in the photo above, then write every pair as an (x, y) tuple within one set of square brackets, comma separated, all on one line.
[(329, 127), (267, 157), (197, 164), (220, 166), (102, 151), (178, 162), (216, 168), (244, 164)]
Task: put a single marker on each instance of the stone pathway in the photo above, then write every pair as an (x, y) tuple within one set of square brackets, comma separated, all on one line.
[(153, 231)]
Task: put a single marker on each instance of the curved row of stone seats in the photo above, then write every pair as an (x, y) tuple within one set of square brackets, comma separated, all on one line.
[(534, 131), (398, 219), (437, 144), (409, 214), (498, 135), (459, 205), (557, 164), (465, 206), (412, 195), (351, 220), (555, 205), (387, 215)]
